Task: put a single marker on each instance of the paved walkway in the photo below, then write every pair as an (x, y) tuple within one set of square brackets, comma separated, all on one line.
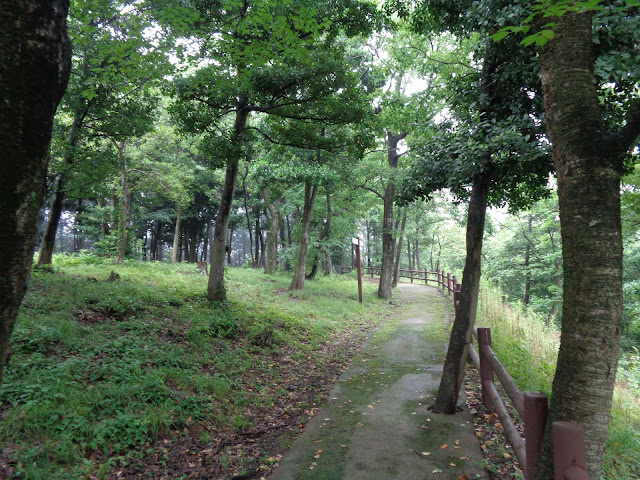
[(376, 425)]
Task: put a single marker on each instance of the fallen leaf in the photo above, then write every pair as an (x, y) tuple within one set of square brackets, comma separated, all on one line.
[(426, 454), (313, 465), (443, 446), (452, 464), (506, 455), (436, 470)]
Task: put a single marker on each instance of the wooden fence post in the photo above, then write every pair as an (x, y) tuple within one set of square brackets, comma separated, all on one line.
[(425, 277), (536, 407), (486, 370), (449, 285), (411, 275), (568, 450)]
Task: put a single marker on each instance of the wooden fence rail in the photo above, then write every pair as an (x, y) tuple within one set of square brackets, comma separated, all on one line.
[(568, 437)]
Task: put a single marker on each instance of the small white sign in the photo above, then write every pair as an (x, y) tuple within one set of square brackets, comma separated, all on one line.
[(355, 241)]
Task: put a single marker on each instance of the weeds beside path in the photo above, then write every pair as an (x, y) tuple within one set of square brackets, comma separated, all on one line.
[(144, 378), (376, 425)]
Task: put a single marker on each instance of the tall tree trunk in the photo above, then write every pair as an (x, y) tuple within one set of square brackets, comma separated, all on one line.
[(326, 233), (453, 371), (155, 241), (247, 216), (228, 245), (409, 257), (45, 255), (272, 234), (205, 242), (124, 204), (185, 241), (55, 210), (256, 263), (175, 255), (588, 161), (78, 223), (103, 223), (396, 269), (261, 261), (192, 239), (36, 54), (301, 266), (368, 230), (215, 288), (386, 272)]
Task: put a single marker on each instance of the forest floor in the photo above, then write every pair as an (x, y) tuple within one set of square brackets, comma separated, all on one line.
[(143, 378)]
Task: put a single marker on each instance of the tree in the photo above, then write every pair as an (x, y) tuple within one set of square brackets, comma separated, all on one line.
[(492, 144), (589, 150), (34, 72), (273, 58), (114, 61)]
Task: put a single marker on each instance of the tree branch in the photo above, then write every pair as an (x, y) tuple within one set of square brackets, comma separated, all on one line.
[(364, 187)]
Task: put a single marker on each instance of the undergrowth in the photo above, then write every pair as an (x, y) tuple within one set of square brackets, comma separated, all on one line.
[(104, 370), (528, 349)]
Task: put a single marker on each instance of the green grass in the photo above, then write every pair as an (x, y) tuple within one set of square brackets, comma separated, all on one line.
[(102, 371), (528, 349)]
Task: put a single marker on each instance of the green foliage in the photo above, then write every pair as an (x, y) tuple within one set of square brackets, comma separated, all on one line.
[(528, 350), (103, 370)]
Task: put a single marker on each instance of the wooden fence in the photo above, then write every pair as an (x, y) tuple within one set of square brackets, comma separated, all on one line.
[(568, 437)]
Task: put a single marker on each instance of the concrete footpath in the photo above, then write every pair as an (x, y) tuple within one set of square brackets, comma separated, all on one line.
[(376, 425)]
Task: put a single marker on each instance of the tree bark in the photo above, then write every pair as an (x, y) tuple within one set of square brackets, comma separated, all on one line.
[(272, 234), (247, 216), (175, 254), (297, 283), (215, 288), (386, 272), (124, 204), (34, 71), (453, 371), (396, 269), (326, 233), (45, 255), (588, 162)]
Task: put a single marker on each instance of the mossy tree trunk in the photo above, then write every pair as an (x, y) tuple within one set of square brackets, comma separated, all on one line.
[(310, 191), (215, 287)]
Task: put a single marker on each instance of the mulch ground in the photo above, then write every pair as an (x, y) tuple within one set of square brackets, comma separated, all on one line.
[(500, 461)]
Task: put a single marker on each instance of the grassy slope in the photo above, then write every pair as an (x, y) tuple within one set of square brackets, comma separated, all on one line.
[(108, 377), (528, 350)]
